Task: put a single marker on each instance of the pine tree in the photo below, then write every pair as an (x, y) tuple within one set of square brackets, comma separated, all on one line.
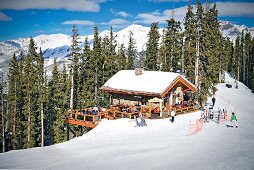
[(56, 102), (87, 75), (236, 59), (107, 64), (13, 83), (112, 54), (213, 41), (95, 69), (131, 52), (121, 58), (152, 50), (21, 130), (29, 85), (226, 54), (190, 40), (162, 51), (84, 69), (251, 65), (41, 95), (247, 59), (173, 46), (75, 58)]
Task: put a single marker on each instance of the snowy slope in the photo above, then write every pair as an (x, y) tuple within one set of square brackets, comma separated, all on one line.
[(117, 144)]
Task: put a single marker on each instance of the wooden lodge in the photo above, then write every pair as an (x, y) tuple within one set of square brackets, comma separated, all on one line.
[(152, 93), (155, 92)]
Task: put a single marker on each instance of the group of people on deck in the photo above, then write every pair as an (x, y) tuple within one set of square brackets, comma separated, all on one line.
[(93, 111)]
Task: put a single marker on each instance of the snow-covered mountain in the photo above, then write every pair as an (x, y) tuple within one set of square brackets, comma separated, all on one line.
[(231, 30), (58, 45)]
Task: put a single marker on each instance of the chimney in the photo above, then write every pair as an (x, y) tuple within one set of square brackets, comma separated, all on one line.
[(138, 71)]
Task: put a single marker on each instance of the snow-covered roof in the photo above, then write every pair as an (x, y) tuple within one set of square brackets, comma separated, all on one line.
[(153, 82)]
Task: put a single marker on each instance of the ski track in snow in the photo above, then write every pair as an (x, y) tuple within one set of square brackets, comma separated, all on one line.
[(117, 144)]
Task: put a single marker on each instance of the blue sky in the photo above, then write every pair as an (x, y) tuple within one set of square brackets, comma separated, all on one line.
[(25, 18)]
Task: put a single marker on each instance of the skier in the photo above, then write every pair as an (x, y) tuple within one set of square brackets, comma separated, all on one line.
[(213, 100), (136, 120), (233, 120), (142, 120), (172, 115)]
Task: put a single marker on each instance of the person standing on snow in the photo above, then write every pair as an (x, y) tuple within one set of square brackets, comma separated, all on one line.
[(172, 115), (233, 120), (213, 100)]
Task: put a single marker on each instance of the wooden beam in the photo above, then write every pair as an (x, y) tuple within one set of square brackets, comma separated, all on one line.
[(179, 79)]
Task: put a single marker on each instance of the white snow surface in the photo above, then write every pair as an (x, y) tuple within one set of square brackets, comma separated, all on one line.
[(117, 144), (148, 81)]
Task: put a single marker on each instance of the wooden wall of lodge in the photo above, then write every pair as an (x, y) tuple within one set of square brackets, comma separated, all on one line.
[(123, 99)]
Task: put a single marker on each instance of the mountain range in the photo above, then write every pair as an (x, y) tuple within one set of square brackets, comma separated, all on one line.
[(58, 45)]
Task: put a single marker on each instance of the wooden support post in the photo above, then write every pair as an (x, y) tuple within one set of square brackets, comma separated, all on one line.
[(68, 131), (76, 115), (72, 131)]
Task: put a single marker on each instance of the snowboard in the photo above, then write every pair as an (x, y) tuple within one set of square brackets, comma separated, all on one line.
[(230, 126)]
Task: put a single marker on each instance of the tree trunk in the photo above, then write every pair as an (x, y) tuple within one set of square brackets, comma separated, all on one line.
[(72, 88), (3, 137), (29, 123), (42, 126), (14, 121), (197, 66)]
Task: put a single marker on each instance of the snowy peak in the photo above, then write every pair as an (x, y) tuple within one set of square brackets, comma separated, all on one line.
[(232, 30), (58, 45)]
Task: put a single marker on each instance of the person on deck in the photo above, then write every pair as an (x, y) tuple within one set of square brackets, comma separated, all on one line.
[(173, 113), (213, 100), (233, 120)]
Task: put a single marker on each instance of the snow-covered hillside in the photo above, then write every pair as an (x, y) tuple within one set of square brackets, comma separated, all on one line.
[(58, 45), (117, 144), (231, 30)]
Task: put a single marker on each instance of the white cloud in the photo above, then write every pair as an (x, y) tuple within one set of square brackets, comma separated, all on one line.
[(123, 14), (120, 13), (236, 9), (156, 16), (4, 17), (116, 22), (78, 22), (77, 5), (232, 9)]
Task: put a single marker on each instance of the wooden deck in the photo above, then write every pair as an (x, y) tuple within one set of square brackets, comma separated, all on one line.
[(79, 118)]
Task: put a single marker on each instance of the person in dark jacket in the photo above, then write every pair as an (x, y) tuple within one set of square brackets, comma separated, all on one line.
[(213, 100)]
